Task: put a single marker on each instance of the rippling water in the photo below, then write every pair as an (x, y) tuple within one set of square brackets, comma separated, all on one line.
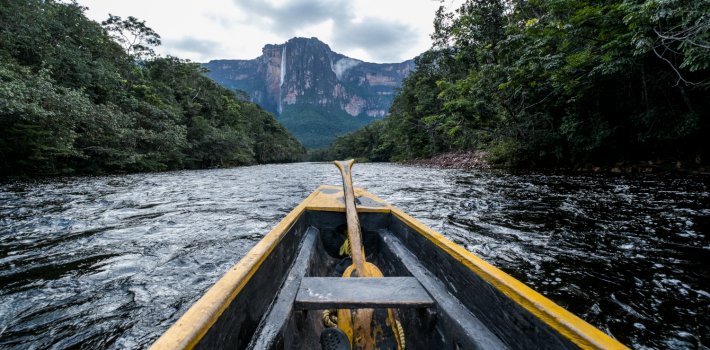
[(111, 262)]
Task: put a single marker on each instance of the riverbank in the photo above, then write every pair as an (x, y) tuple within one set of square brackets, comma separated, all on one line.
[(468, 160), (473, 160), (649, 167)]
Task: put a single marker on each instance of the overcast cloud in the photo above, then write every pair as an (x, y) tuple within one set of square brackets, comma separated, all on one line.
[(198, 46), (382, 39), (290, 16), (370, 30)]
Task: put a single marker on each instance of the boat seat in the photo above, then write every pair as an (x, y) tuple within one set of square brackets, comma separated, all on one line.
[(317, 293)]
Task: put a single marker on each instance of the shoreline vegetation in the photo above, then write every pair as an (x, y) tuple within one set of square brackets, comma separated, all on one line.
[(602, 86), (567, 85), (79, 97), (478, 160)]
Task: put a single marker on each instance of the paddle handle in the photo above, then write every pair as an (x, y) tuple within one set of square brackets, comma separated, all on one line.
[(354, 233)]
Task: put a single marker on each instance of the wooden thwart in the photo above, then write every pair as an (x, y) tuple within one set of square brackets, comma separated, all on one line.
[(355, 293)]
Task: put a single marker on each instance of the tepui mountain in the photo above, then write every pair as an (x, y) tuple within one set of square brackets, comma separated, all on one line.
[(316, 93)]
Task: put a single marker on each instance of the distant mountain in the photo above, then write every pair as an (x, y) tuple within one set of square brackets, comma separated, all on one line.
[(315, 92)]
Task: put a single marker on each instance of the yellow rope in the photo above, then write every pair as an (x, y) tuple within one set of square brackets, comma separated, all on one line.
[(400, 334), (330, 318), (345, 248)]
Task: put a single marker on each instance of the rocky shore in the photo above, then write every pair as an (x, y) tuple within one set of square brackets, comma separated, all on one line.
[(457, 160), (654, 166), (470, 160)]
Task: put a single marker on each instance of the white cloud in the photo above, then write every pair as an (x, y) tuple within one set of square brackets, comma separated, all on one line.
[(200, 49), (370, 30)]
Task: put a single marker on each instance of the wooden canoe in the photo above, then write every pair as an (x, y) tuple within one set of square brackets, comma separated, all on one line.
[(445, 296)]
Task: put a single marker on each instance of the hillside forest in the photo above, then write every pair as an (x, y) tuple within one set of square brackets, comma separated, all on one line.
[(563, 83), (77, 96)]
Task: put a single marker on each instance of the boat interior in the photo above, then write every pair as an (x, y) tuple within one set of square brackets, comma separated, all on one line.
[(440, 302)]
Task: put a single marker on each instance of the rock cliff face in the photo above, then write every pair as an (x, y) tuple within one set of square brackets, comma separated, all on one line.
[(315, 92)]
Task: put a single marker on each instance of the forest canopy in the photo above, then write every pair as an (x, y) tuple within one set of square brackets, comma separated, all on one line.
[(79, 96), (554, 83)]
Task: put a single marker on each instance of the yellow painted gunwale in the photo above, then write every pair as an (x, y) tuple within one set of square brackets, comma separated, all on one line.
[(330, 198), (566, 323), (195, 323)]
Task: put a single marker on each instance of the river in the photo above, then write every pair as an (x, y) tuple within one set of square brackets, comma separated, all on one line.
[(113, 261)]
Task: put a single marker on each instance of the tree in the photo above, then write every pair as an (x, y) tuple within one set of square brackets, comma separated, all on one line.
[(677, 32), (133, 35), (72, 100), (558, 83)]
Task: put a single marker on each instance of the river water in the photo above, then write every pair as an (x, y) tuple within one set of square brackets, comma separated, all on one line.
[(112, 262)]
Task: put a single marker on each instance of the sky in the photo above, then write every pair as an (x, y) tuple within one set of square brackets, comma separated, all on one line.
[(370, 30)]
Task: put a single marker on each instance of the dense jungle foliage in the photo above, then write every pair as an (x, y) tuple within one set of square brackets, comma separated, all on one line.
[(316, 126), (79, 96), (554, 83)]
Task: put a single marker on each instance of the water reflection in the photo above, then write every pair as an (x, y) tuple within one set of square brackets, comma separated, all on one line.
[(111, 262)]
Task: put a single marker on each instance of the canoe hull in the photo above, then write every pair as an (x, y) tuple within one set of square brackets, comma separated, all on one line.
[(476, 305)]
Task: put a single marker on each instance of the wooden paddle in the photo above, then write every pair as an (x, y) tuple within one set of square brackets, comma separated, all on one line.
[(354, 233), (361, 333)]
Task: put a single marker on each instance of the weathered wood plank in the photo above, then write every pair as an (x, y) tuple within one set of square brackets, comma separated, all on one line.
[(354, 293), (458, 320), (272, 325)]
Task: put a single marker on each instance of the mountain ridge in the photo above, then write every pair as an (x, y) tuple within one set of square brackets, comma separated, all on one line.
[(315, 92)]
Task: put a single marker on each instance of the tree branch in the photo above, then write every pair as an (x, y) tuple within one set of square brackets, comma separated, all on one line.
[(680, 76)]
